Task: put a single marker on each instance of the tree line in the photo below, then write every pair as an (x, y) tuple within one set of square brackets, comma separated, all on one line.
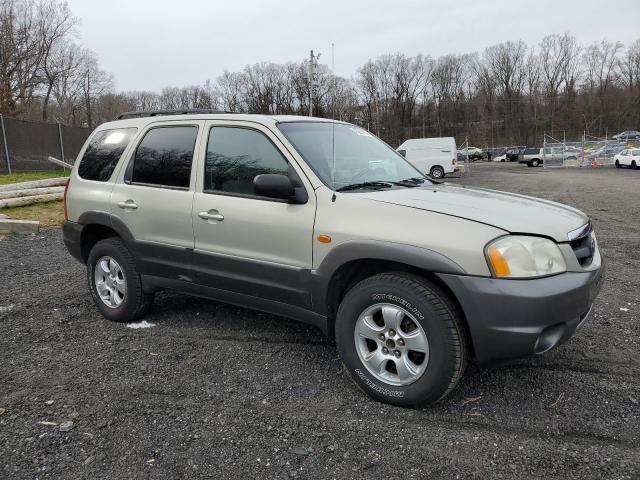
[(508, 94)]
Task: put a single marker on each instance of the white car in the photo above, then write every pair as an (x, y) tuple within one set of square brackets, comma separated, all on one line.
[(629, 157), (474, 153), (500, 158)]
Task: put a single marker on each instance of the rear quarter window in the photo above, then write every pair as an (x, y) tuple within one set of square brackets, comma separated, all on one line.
[(103, 153)]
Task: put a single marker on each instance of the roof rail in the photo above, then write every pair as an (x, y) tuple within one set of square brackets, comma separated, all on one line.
[(157, 113)]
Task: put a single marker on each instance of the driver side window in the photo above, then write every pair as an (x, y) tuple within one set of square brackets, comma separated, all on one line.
[(235, 155)]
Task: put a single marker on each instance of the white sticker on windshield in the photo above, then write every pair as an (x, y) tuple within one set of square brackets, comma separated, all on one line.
[(361, 132)]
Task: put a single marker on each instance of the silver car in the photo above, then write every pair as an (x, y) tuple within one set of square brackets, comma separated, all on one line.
[(322, 222)]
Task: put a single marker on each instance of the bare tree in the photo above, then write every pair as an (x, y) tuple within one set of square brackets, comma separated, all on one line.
[(56, 25), (630, 66)]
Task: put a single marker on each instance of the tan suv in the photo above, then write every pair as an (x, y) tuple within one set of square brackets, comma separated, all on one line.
[(322, 222)]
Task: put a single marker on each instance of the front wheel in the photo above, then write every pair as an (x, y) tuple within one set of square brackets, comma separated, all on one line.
[(633, 165), (617, 164), (436, 172), (401, 339), (535, 162), (114, 282)]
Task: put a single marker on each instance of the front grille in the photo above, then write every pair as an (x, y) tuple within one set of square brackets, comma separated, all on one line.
[(584, 249)]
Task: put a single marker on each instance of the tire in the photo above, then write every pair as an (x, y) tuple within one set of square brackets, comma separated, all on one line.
[(436, 172), (535, 162), (418, 303), (633, 165), (617, 164), (127, 305)]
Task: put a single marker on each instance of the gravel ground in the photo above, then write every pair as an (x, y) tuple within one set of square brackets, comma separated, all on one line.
[(212, 390)]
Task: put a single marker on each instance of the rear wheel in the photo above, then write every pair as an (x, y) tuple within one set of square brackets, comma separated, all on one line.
[(617, 164), (436, 172), (535, 162), (633, 165), (401, 339), (114, 282)]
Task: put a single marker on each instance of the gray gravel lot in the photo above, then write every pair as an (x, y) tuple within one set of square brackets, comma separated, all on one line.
[(217, 391)]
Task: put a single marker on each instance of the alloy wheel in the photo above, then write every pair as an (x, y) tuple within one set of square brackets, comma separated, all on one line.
[(110, 282), (391, 344)]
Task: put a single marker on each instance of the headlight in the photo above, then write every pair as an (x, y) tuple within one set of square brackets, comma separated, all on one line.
[(522, 257)]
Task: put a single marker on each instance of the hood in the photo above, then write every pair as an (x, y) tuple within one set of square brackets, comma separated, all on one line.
[(507, 211)]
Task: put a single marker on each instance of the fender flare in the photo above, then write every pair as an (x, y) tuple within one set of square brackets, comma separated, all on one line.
[(418, 257)]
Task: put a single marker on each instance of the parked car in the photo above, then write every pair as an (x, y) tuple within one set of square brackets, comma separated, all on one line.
[(322, 222), (531, 156), (514, 153), (605, 152), (432, 156), (500, 158), (557, 156), (473, 153), (629, 157), (629, 135)]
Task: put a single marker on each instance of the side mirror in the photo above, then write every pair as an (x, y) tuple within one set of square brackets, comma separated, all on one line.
[(274, 186)]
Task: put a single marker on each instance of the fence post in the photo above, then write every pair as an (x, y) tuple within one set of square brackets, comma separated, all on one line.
[(6, 147), (61, 145)]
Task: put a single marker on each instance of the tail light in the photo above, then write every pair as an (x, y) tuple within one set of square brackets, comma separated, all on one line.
[(453, 162), (66, 189)]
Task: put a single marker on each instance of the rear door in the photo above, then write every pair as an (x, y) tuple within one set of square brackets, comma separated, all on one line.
[(246, 243), (154, 195)]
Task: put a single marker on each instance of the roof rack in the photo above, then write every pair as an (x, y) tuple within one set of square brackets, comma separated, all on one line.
[(158, 113)]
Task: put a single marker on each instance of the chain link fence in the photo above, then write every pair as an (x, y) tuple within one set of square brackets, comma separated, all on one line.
[(463, 158), (587, 152), (25, 145)]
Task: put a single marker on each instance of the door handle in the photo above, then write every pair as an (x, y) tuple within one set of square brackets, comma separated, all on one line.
[(211, 215), (128, 204)]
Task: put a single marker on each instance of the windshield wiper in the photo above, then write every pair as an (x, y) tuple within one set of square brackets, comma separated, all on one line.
[(357, 186), (416, 180)]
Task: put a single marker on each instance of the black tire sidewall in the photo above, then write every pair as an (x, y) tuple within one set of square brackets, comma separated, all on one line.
[(437, 169), (130, 306), (435, 381)]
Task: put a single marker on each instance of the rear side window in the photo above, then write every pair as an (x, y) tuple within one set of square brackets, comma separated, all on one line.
[(635, 152), (103, 152), (532, 151), (235, 156), (164, 157)]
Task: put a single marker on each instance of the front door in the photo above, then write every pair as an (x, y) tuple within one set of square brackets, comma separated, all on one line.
[(246, 243)]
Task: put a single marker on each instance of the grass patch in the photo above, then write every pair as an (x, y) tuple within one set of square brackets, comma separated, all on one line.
[(50, 214), (28, 176)]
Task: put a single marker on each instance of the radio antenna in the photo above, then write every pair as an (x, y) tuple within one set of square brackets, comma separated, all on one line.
[(333, 122)]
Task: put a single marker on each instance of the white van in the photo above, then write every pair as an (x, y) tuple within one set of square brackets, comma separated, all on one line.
[(432, 156)]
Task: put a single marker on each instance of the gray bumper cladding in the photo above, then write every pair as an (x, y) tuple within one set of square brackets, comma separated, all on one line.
[(515, 318)]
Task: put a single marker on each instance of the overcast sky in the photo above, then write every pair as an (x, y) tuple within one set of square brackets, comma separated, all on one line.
[(149, 44)]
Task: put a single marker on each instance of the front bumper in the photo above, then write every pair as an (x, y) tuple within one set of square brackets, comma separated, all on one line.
[(515, 318)]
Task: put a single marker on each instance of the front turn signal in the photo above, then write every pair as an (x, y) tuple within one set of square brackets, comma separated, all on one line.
[(498, 262)]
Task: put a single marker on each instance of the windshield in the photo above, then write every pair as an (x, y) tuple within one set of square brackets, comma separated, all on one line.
[(360, 157)]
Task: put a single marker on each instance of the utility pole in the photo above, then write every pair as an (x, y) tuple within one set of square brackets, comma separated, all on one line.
[(313, 63)]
